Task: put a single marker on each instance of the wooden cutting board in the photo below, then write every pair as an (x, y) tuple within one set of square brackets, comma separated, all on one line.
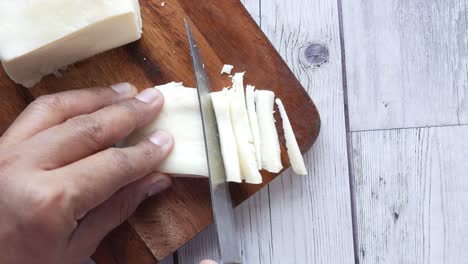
[(225, 33)]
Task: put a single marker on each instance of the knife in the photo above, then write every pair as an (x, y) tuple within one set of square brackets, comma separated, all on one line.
[(220, 195)]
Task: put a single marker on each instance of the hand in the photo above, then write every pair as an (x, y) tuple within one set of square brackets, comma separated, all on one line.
[(62, 186), (207, 261)]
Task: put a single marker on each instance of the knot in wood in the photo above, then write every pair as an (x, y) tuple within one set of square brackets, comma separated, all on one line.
[(315, 54)]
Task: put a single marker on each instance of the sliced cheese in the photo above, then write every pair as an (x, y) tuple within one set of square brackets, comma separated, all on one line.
[(39, 37), (238, 115), (294, 153), (227, 138), (243, 132), (227, 69), (181, 117), (238, 87), (250, 101), (245, 147), (270, 147)]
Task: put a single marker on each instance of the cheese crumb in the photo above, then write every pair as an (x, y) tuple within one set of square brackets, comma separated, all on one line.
[(227, 69), (163, 4)]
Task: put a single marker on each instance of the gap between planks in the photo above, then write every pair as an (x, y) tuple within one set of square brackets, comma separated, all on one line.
[(349, 140)]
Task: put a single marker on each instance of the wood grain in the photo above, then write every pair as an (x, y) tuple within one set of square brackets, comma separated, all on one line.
[(406, 63), (411, 195), (123, 245), (299, 219), (225, 33), (13, 100)]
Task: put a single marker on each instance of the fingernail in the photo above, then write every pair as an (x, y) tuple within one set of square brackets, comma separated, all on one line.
[(161, 138), (161, 184), (148, 96), (122, 88)]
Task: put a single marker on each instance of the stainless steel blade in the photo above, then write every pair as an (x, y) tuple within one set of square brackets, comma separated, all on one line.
[(220, 195)]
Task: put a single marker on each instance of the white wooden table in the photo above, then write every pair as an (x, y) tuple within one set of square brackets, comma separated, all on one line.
[(388, 176)]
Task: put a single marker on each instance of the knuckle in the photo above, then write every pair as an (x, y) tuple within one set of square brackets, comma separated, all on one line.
[(89, 129), (44, 201), (150, 151), (131, 108), (122, 164), (48, 103)]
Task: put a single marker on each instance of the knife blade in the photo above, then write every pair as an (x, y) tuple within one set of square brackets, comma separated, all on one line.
[(220, 195)]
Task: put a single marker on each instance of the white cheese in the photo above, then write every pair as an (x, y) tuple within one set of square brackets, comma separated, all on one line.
[(240, 122), (270, 147), (227, 138), (294, 153), (238, 87), (243, 132), (181, 117), (38, 37), (250, 101), (227, 69)]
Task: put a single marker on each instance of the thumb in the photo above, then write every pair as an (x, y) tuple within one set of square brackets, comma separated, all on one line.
[(101, 220)]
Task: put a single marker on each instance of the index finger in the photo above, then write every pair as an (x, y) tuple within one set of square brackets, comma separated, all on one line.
[(50, 110)]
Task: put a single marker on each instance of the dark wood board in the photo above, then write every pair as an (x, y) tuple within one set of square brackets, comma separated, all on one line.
[(225, 33)]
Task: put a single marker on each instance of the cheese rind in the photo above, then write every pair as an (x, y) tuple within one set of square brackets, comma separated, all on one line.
[(294, 153), (39, 37)]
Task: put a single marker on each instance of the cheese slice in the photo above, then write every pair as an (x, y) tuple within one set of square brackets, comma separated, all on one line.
[(250, 101), (222, 108), (39, 37), (245, 147), (243, 132), (294, 153), (181, 117), (269, 145)]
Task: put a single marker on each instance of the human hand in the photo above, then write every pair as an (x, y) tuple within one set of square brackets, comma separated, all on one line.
[(62, 186), (208, 261)]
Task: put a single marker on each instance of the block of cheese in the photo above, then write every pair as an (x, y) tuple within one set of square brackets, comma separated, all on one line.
[(39, 37), (182, 118)]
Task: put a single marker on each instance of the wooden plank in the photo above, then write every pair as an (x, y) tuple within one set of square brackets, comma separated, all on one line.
[(311, 216), (411, 185), (300, 218), (406, 63)]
